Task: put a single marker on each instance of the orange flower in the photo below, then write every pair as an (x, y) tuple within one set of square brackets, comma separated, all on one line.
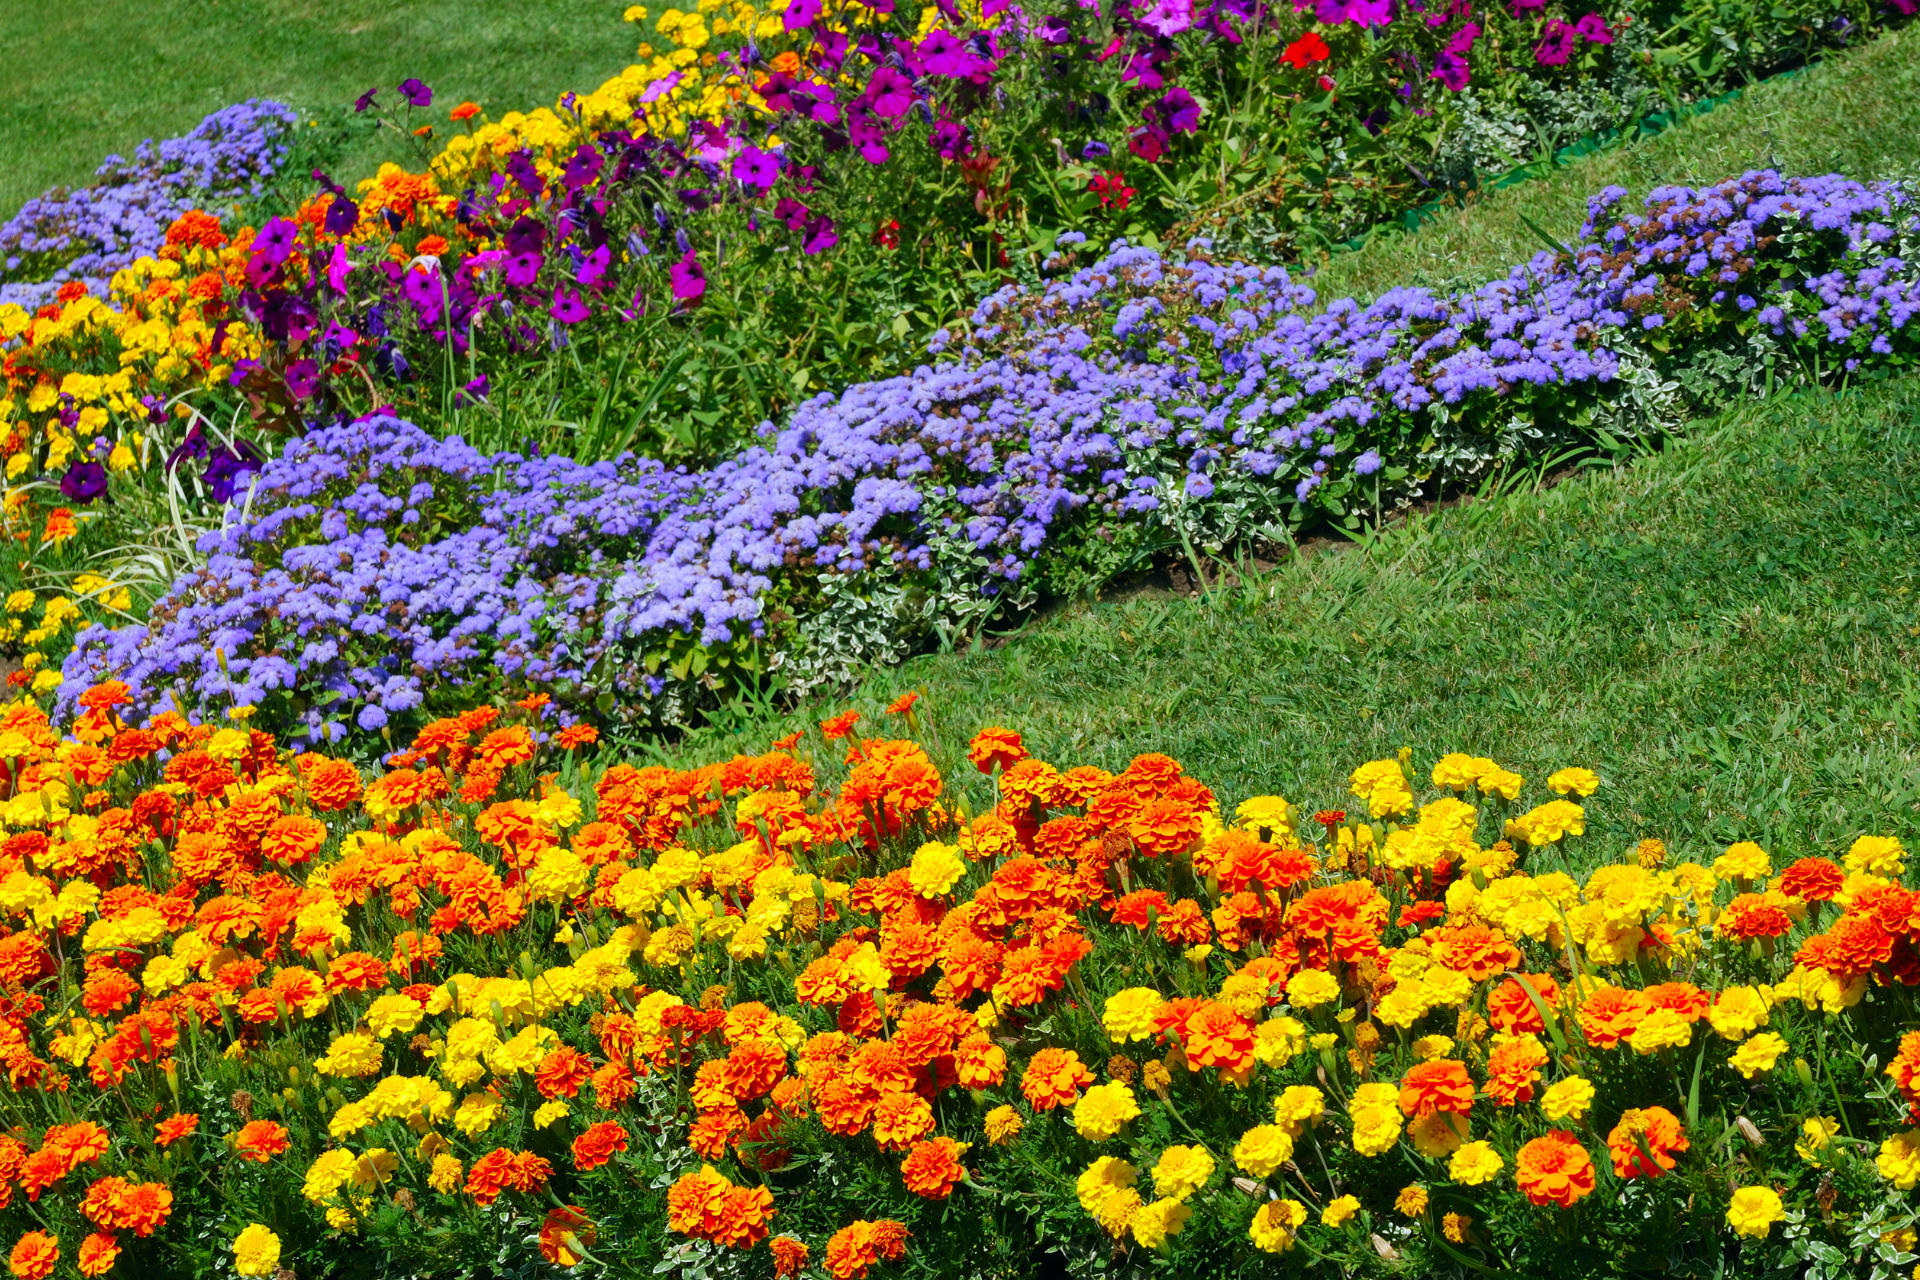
[(1513, 1069), (576, 736), (331, 784), (98, 1253), (789, 1256), (901, 1118), (566, 1235), (562, 1072), (1512, 1010), (855, 1248), (1215, 1036), (79, 1143), (1555, 1169), (709, 1207), (34, 1255), (902, 704), (504, 748), (260, 1141), (839, 726), (1662, 1133), (932, 1169), (490, 1175), (1054, 1078), (60, 526), (1439, 1085), (1813, 879), (597, 1144), (1165, 827), (1611, 1014), (995, 748), (1753, 915)]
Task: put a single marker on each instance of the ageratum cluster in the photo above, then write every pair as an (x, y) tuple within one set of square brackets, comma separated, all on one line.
[(376, 563), (91, 232)]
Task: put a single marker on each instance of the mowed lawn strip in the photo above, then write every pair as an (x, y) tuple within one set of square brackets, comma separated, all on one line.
[(1725, 631)]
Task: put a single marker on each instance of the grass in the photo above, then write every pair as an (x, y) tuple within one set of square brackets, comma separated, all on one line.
[(1857, 114), (1725, 631), (87, 79)]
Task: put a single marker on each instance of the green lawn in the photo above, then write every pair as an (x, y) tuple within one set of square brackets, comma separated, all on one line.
[(86, 79), (1725, 631)]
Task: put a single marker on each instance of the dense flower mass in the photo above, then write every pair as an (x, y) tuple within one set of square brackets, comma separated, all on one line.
[(1133, 399), (593, 998)]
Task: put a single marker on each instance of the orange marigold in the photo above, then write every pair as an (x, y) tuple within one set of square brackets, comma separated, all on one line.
[(98, 1253), (1611, 1014), (1511, 1009), (932, 1168), (856, 1247), (566, 1235), (1555, 1169), (1054, 1078), (260, 1141), (596, 1145), (1662, 1133), (789, 1256), (1813, 880), (34, 1254), (1513, 1069), (995, 748), (331, 784), (1439, 1085)]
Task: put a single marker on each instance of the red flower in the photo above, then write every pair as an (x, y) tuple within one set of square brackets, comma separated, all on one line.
[(1307, 49)]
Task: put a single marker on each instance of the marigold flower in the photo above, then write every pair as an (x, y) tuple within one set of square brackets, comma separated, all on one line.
[(596, 1145), (1567, 1099), (1153, 1224), (1474, 1164), (932, 1169), (1754, 1211), (1003, 1124), (1816, 1132), (1899, 1159), (33, 1256), (174, 1128), (995, 748), (1437, 1133), (566, 1235), (98, 1253), (936, 869), (789, 1256), (1554, 1169), (1442, 1085), (1813, 880), (1574, 782), (1131, 1014), (1298, 1106), (256, 1251), (1263, 1149), (854, 1250), (1104, 1110), (1311, 988), (1743, 861), (1879, 855), (1660, 1132), (1054, 1078), (1181, 1171), (260, 1141), (1273, 1227), (1339, 1211), (1758, 1054), (1411, 1202)]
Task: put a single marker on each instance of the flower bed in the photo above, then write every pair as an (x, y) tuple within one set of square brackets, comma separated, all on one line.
[(828, 1009), (1135, 405)]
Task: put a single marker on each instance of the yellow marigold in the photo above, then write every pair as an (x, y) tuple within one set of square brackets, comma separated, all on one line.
[(1475, 1163), (1454, 1226), (1743, 861), (1103, 1110), (1153, 1223), (1268, 813), (1339, 1212), (1278, 1040), (936, 868), (1437, 1133), (1427, 1048), (1411, 1202), (1130, 1014), (1899, 1159), (1298, 1106), (351, 1054), (1003, 1125), (1754, 1211), (1568, 1099), (1757, 1054), (1661, 1029), (477, 1112), (1180, 1171), (1549, 823), (1815, 1133), (1311, 988), (1573, 782), (550, 1111), (1383, 785), (1736, 1011), (447, 1175), (1263, 1149), (1880, 855), (1273, 1227), (256, 1251), (394, 1013), (1102, 1178), (1243, 993), (1375, 1129), (327, 1174)]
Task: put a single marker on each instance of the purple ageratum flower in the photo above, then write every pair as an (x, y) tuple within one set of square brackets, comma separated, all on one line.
[(756, 170), (687, 281), (371, 718), (1556, 45), (85, 480), (416, 93), (1367, 463)]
